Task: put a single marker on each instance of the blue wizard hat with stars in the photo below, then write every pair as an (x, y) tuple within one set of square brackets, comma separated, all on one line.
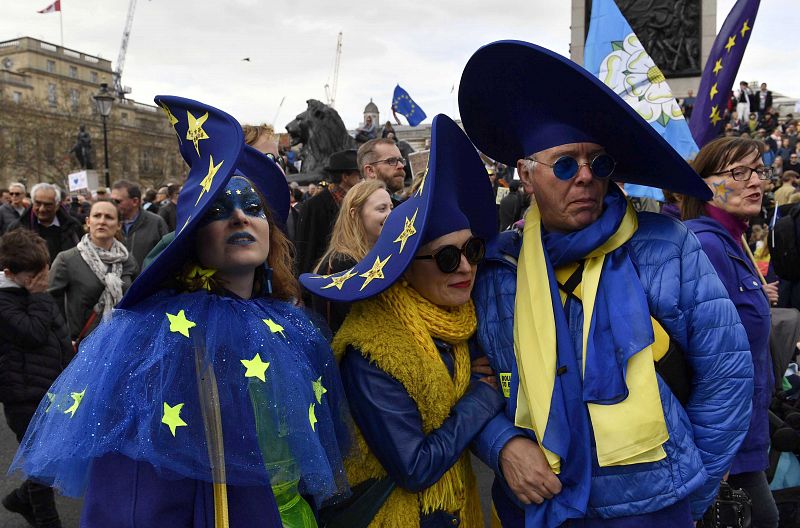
[(454, 194), (212, 144), (518, 98)]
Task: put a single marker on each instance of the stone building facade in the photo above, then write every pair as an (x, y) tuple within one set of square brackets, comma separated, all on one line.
[(46, 95)]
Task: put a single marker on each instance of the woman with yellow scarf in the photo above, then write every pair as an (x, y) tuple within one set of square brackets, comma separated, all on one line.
[(417, 394)]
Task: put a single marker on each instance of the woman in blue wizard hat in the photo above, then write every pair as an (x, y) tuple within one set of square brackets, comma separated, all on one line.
[(406, 365), (208, 399)]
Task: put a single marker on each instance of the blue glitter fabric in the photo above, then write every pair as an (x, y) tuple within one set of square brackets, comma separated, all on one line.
[(286, 428)]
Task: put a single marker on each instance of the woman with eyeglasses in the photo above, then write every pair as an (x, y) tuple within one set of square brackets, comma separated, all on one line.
[(417, 392), (358, 225), (733, 170)]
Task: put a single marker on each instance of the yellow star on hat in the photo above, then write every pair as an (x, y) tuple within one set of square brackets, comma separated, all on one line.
[(376, 272), (209, 179), (180, 324), (195, 132), (408, 231), (172, 417), (339, 281)]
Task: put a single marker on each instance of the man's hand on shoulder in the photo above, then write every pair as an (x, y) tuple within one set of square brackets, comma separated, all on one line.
[(527, 471)]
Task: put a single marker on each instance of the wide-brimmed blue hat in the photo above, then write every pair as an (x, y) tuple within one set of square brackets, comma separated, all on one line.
[(212, 144), (518, 98), (455, 194)]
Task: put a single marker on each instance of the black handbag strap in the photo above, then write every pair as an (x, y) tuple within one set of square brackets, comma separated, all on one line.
[(360, 508)]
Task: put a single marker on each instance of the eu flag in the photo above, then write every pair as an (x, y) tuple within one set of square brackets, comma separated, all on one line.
[(617, 57), (720, 71), (405, 106)]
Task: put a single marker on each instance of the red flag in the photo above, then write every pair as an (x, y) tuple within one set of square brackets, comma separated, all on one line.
[(52, 8)]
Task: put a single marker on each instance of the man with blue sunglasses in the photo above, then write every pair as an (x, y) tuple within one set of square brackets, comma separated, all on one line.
[(611, 335)]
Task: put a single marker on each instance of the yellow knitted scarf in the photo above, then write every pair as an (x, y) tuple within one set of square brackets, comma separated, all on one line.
[(395, 330)]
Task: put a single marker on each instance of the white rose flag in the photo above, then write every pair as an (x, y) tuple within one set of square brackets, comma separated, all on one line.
[(616, 56)]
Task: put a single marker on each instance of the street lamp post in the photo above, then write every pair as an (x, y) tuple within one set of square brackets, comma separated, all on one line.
[(104, 99)]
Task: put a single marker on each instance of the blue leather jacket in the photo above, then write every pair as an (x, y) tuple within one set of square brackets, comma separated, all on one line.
[(685, 295), (392, 426)]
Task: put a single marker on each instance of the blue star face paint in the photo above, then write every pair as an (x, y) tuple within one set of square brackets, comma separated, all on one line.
[(238, 194)]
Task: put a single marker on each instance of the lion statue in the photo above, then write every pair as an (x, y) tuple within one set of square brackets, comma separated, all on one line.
[(321, 132)]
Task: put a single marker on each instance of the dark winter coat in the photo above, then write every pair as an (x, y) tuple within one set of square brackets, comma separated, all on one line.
[(34, 345), (60, 237), (740, 278)]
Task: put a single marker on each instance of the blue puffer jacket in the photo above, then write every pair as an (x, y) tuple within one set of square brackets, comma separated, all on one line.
[(741, 280), (685, 295)]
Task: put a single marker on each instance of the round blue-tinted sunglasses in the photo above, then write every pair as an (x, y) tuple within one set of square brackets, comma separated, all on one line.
[(566, 167)]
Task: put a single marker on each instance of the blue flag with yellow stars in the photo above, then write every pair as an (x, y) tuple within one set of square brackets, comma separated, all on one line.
[(720, 72), (615, 55), (404, 105)]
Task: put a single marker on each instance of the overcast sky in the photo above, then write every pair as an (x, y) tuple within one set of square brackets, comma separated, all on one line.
[(194, 48)]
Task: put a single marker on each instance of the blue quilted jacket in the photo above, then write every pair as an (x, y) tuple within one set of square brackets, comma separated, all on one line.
[(686, 296)]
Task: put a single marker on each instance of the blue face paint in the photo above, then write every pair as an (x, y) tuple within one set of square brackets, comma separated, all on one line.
[(238, 194)]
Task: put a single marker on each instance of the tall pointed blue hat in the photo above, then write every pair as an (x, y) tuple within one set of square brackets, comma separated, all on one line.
[(212, 144), (455, 194), (509, 115)]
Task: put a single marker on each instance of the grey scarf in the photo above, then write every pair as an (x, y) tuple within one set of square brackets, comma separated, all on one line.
[(99, 260)]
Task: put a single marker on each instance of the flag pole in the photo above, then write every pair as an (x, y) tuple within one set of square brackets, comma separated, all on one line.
[(61, 22)]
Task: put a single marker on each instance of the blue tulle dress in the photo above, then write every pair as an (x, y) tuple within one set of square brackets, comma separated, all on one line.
[(132, 390)]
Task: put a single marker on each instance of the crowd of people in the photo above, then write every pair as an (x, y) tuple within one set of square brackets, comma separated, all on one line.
[(238, 350)]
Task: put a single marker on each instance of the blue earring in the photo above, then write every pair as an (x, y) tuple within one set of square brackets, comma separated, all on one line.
[(266, 288)]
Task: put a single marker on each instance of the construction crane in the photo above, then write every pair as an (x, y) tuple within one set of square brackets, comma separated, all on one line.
[(330, 89), (123, 49)]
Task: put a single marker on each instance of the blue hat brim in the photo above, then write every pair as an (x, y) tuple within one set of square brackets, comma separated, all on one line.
[(517, 98), (455, 172), (224, 148)]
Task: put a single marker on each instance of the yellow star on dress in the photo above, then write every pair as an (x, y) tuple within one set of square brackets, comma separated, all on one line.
[(172, 417), (408, 231), (180, 324), (172, 119), (339, 281), (713, 91), (717, 66), (376, 272), (731, 43), (745, 28), (195, 132), (319, 390), (312, 417), (77, 397), (274, 327), (209, 179), (255, 367)]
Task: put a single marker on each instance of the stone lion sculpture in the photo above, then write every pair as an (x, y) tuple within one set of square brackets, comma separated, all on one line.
[(321, 132)]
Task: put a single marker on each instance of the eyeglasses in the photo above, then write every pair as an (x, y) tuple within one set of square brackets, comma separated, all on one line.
[(448, 258), (745, 173), (392, 162), (566, 167), (15, 193)]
